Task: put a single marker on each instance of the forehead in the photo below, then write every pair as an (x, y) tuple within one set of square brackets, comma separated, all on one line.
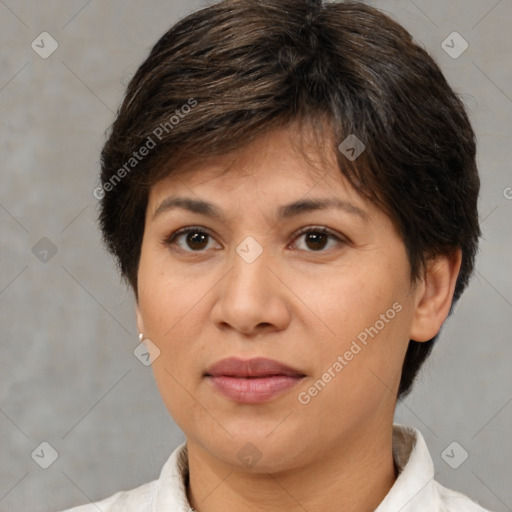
[(278, 165)]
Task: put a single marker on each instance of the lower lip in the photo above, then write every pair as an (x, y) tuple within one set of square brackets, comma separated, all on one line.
[(253, 390)]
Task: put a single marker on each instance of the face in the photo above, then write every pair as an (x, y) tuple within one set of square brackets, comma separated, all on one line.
[(324, 291)]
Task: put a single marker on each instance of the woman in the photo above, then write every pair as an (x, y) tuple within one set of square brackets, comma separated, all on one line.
[(290, 188)]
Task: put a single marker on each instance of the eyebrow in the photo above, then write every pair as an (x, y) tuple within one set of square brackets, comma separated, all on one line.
[(285, 211)]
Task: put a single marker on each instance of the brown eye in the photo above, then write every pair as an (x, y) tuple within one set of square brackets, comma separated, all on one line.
[(191, 239), (316, 239)]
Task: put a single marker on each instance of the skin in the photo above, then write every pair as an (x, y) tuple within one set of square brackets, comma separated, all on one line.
[(299, 303)]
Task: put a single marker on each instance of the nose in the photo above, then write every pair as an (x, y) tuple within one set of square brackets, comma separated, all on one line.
[(252, 298)]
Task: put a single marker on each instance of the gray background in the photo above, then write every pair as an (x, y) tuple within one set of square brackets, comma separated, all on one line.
[(68, 373)]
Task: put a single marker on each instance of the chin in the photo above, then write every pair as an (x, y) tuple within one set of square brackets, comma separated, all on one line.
[(252, 449)]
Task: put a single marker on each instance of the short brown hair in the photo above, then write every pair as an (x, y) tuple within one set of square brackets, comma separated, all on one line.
[(243, 67)]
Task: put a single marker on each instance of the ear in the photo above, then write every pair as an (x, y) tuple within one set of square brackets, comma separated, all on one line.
[(435, 294), (138, 315)]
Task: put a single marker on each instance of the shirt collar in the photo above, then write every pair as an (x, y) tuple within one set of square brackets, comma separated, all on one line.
[(171, 489), (413, 490)]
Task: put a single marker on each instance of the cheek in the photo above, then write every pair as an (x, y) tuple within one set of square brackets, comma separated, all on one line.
[(164, 295), (367, 315), (168, 314), (352, 301), (172, 306)]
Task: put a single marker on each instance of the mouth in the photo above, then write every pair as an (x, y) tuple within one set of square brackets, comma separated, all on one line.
[(256, 367), (254, 380)]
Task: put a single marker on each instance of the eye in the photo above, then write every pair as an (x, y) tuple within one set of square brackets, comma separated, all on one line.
[(196, 239), (317, 238)]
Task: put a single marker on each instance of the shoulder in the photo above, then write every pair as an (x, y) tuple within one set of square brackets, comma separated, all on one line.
[(168, 492), (138, 499), (454, 501), (415, 489)]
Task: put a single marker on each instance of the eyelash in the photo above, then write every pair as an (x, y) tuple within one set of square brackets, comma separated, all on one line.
[(170, 240)]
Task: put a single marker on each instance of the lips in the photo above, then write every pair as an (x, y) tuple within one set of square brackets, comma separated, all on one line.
[(251, 368), (252, 381)]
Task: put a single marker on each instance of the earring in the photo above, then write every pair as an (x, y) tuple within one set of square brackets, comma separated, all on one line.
[(141, 337)]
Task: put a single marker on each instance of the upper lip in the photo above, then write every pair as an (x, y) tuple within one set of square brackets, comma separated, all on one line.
[(255, 367)]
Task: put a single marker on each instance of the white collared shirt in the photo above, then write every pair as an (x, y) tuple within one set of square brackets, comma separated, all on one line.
[(415, 489)]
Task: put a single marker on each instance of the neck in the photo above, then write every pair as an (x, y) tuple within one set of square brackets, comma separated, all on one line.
[(356, 477)]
